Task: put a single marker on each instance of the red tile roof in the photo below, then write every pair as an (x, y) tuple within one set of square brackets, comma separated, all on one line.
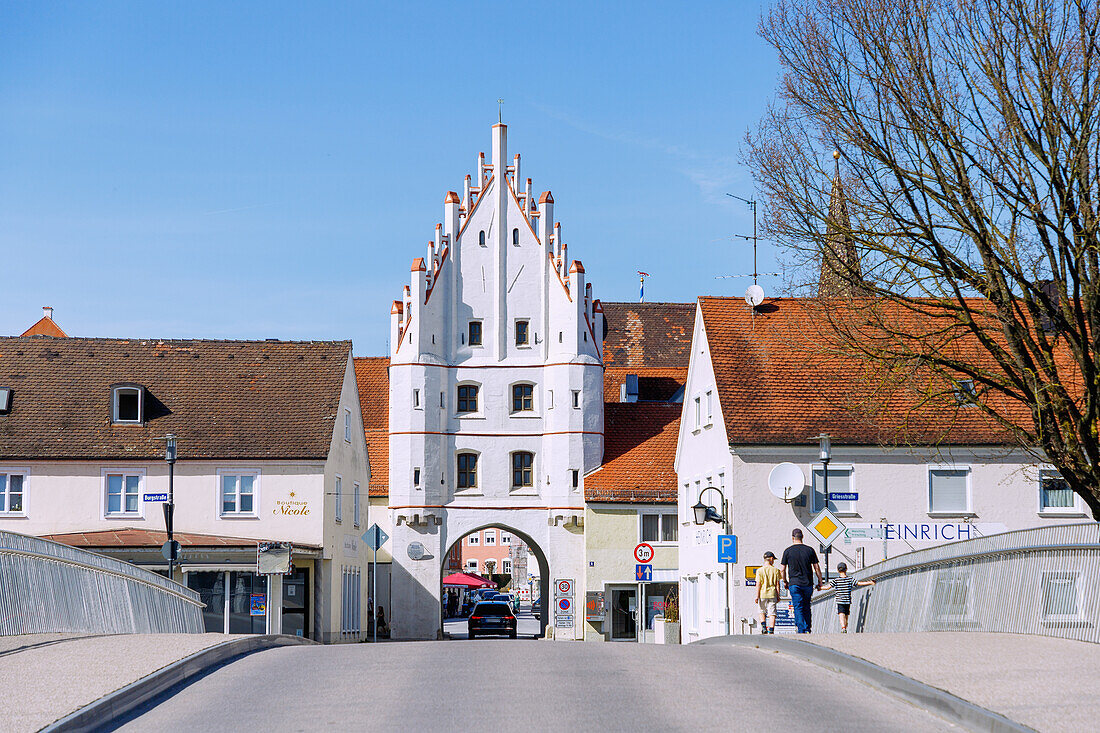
[(373, 378), (45, 326), (647, 334), (639, 450), (133, 537), (224, 399), (781, 382)]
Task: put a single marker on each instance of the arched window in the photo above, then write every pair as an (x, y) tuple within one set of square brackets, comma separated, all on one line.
[(467, 398), (481, 238), (523, 464), (523, 397), (467, 470), (515, 237)]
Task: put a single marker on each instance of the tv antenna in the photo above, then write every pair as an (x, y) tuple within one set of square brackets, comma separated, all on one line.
[(641, 285), (753, 238)]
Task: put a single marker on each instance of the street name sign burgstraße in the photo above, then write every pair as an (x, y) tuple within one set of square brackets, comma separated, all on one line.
[(375, 537), (826, 527), (149, 498)]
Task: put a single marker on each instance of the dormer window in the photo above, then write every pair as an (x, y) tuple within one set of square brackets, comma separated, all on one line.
[(126, 403)]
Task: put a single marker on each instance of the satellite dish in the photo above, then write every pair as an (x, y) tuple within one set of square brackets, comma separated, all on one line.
[(754, 296), (786, 481)]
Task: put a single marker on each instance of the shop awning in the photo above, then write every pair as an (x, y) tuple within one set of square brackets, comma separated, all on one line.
[(468, 580)]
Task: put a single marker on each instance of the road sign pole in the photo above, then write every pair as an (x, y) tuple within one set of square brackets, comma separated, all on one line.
[(825, 471), (374, 595)]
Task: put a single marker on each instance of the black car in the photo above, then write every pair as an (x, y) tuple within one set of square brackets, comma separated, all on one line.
[(492, 617)]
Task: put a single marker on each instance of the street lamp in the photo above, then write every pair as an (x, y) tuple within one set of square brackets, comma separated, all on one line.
[(826, 455), (170, 507), (705, 513)]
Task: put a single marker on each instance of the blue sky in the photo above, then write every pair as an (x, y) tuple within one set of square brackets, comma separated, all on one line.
[(269, 170)]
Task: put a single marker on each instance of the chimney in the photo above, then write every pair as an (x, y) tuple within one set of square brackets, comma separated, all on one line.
[(47, 311)]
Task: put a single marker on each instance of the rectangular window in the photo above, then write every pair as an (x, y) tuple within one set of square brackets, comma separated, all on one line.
[(710, 407), (698, 413), (339, 499), (416, 399), (471, 566), (416, 477), (1055, 495), (523, 397), (467, 398), (123, 494), (522, 469), (355, 490), (490, 537), (505, 538), (347, 426), (474, 539), (840, 482), (659, 527), (127, 405), (467, 470), (521, 333), (11, 492), (947, 490), (475, 333), (506, 566), (238, 493), (576, 399), (1060, 595), (576, 478), (651, 527), (550, 399)]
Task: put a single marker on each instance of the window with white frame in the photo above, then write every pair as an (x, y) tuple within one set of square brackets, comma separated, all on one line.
[(506, 566), (471, 566), (474, 539), (339, 499), (1060, 595), (505, 538), (840, 482), (126, 404), (13, 488), (347, 426), (1055, 495), (490, 537), (238, 490), (948, 490), (123, 493), (698, 413), (355, 490), (710, 407), (659, 527), (693, 603)]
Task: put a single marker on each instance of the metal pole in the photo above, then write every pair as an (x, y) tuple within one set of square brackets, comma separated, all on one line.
[(726, 522), (374, 593), (168, 519), (825, 462)]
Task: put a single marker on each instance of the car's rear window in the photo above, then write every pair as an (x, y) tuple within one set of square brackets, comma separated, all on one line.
[(493, 609)]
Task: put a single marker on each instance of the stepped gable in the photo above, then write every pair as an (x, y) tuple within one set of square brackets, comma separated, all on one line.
[(224, 399), (372, 376)]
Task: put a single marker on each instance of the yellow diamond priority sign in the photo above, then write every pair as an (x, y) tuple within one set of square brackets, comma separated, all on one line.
[(826, 527)]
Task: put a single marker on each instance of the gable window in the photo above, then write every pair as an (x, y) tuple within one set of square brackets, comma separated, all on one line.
[(515, 237), (523, 469), (467, 470), (416, 399), (840, 482), (576, 399), (355, 490), (126, 404), (347, 426), (123, 494), (1055, 495), (475, 333), (948, 490), (576, 478), (522, 338), (481, 238), (238, 493), (467, 398), (523, 399), (710, 407), (659, 527), (11, 492), (339, 499), (549, 399), (698, 414), (416, 477)]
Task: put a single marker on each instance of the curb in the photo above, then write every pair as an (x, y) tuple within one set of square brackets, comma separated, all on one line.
[(115, 705), (950, 707)]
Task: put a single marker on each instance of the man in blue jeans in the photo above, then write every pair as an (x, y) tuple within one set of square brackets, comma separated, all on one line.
[(799, 561)]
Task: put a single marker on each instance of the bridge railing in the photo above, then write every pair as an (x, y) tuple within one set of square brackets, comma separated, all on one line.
[(1035, 581), (49, 587)]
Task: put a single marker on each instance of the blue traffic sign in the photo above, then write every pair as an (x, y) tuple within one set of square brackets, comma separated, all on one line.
[(643, 572), (564, 604), (843, 496), (375, 537), (155, 497), (727, 548)]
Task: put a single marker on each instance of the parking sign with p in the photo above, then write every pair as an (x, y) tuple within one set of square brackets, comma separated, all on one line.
[(727, 548)]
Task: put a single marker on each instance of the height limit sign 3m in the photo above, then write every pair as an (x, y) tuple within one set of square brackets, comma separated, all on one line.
[(643, 553)]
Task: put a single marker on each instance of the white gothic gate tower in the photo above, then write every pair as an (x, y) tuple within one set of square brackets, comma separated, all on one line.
[(496, 390)]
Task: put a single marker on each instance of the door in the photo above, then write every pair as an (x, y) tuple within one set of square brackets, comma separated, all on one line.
[(624, 614), (296, 603)]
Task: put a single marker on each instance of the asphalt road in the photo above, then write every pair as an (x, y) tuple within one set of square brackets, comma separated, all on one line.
[(528, 685)]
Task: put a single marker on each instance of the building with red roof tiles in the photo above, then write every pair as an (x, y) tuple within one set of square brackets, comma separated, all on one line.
[(45, 326), (911, 461)]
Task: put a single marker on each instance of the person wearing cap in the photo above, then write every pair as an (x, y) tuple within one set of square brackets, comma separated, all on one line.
[(767, 592), (798, 561)]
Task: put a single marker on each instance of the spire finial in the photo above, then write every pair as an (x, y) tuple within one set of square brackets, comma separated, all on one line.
[(500, 106), (836, 157)]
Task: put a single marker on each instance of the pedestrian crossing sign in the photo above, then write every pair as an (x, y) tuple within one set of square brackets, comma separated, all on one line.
[(826, 527)]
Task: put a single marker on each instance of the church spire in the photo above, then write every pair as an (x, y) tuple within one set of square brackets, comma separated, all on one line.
[(841, 275)]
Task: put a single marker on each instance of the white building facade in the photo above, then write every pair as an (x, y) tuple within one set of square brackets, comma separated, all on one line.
[(495, 390)]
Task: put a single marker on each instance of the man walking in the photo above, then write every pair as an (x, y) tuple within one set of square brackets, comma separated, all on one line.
[(798, 561)]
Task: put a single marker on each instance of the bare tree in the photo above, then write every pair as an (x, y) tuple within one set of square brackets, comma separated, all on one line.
[(967, 137), (490, 566)]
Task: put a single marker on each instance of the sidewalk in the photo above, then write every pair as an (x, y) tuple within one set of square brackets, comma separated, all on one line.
[(1044, 683), (44, 677)]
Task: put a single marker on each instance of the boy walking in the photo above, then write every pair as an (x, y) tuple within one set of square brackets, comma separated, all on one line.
[(843, 586), (767, 592)]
